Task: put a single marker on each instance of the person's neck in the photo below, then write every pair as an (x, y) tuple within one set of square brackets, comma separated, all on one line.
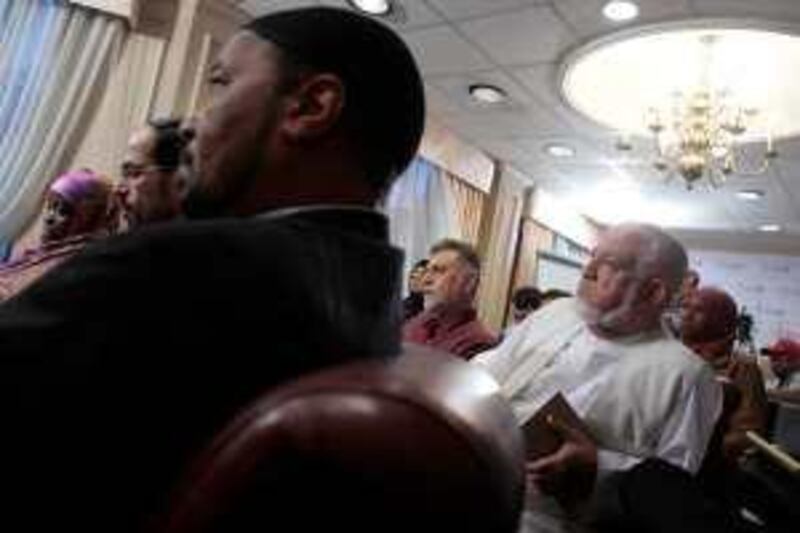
[(312, 181), (451, 307)]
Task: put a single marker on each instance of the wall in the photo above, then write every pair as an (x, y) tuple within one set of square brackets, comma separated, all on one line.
[(457, 157), (498, 240), (160, 72), (561, 217), (533, 238)]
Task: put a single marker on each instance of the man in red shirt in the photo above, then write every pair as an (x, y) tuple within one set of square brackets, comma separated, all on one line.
[(450, 322)]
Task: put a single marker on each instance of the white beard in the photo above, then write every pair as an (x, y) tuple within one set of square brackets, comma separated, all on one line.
[(616, 319)]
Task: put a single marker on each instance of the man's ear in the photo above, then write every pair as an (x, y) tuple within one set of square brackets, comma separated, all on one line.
[(473, 281), (657, 292), (314, 107)]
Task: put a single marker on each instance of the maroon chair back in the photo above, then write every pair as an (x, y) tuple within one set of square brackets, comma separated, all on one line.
[(419, 443)]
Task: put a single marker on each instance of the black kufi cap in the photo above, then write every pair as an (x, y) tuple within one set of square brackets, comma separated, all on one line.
[(379, 73)]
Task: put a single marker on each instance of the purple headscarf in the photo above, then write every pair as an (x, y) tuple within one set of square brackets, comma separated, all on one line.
[(78, 185)]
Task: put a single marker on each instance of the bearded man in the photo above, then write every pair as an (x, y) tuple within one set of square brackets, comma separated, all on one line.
[(124, 363), (640, 392)]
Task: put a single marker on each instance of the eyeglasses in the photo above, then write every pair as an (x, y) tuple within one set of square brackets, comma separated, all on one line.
[(129, 171)]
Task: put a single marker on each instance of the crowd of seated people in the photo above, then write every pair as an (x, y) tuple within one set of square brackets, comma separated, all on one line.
[(82, 206), (247, 253), (702, 393)]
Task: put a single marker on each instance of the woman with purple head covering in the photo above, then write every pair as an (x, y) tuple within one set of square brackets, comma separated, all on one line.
[(76, 205), (77, 211)]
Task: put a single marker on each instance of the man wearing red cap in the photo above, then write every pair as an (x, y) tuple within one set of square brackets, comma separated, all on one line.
[(784, 359), (77, 211)]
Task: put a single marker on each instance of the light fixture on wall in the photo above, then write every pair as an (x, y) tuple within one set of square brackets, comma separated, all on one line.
[(620, 10), (487, 94), (711, 99)]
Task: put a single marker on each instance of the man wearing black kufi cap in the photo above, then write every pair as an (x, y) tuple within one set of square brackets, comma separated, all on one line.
[(122, 363)]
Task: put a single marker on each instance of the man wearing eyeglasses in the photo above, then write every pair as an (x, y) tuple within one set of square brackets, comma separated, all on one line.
[(639, 391), (150, 188)]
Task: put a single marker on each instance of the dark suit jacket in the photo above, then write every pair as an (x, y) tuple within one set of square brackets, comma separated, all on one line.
[(119, 365)]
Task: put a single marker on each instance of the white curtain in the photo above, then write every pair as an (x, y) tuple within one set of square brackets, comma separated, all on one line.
[(421, 210), (125, 105), (54, 61)]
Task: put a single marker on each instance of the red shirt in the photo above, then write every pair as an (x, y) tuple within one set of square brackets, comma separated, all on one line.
[(454, 330)]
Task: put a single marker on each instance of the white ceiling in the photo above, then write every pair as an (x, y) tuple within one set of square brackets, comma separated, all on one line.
[(518, 45)]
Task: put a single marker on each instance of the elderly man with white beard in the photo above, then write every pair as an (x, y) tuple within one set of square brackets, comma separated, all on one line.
[(641, 393)]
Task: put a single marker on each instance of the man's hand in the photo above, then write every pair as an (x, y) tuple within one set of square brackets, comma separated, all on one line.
[(569, 473)]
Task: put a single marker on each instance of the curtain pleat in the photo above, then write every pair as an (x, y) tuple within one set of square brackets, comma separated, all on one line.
[(533, 239), (469, 203), (421, 210), (499, 260), (55, 60), (125, 105)]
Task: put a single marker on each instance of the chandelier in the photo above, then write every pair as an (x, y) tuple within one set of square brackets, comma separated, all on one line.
[(710, 99), (700, 136)]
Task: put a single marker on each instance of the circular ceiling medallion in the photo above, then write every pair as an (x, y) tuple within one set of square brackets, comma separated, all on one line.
[(617, 80)]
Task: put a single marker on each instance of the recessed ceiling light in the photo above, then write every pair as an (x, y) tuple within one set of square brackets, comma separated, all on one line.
[(750, 195), (770, 228), (559, 150), (487, 94), (621, 10), (372, 7)]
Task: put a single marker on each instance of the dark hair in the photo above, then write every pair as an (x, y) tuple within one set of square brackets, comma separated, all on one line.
[(384, 109), (422, 263), (527, 298), (464, 250), (169, 144)]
